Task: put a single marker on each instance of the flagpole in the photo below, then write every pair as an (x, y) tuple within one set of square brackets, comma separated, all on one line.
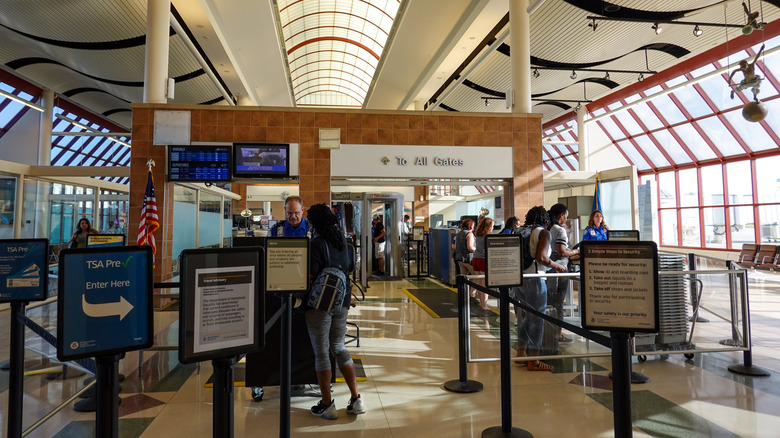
[(149, 164)]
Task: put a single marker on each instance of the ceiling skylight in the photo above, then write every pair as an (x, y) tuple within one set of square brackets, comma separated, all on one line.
[(333, 47)]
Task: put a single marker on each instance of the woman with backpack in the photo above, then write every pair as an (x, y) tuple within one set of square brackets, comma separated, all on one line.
[(534, 290), (329, 248)]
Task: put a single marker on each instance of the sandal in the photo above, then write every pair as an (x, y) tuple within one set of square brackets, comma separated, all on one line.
[(536, 365), (521, 354)]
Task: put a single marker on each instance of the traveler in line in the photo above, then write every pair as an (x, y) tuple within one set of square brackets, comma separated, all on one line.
[(534, 290), (325, 331), (557, 287), (484, 228), (79, 238)]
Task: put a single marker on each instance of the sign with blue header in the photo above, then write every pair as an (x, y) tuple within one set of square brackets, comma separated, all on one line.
[(104, 304), (23, 270)]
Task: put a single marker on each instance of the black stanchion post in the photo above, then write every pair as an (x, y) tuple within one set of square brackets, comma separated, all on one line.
[(107, 396), (462, 385), (223, 398), (16, 377), (621, 384), (284, 366), (506, 429)]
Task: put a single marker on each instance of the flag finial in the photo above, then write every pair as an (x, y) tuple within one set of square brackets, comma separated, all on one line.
[(150, 164)]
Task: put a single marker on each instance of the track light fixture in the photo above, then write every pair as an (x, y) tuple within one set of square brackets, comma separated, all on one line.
[(697, 31), (656, 24), (641, 77), (487, 102), (593, 24), (536, 73), (573, 75), (658, 29), (579, 106), (606, 76)]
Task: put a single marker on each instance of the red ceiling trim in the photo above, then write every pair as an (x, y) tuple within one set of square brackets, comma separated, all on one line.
[(333, 38), (334, 12), (364, 1), (333, 27), (742, 42)]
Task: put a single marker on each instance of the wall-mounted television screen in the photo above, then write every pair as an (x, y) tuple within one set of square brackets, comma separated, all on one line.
[(199, 163), (261, 160)]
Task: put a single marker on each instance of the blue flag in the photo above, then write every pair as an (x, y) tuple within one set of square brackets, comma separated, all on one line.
[(597, 197)]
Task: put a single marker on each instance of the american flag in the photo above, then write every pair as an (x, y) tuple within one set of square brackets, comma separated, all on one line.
[(150, 222)]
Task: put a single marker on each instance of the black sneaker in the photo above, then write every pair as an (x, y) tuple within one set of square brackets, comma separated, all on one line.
[(355, 406), (329, 412)]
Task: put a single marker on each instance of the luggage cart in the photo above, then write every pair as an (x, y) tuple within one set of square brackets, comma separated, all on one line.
[(675, 331)]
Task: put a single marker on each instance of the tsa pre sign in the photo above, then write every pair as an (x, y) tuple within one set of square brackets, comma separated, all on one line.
[(104, 301)]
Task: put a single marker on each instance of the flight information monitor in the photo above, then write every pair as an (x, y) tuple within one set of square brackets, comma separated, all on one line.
[(199, 163)]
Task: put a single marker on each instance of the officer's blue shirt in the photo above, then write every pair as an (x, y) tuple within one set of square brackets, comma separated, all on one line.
[(290, 231)]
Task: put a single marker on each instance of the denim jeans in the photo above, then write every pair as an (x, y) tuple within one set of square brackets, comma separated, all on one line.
[(534, 293)]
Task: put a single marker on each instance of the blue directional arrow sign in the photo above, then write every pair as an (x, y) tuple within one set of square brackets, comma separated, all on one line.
[(104, 301)]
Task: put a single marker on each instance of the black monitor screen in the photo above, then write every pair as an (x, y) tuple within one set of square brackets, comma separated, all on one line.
[(261, 160), (199, 163)]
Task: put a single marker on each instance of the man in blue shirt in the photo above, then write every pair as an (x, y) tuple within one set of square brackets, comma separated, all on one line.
[(295, 225)]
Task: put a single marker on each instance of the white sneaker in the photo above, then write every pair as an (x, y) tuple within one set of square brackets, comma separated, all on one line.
[(329, 412), (355, 406)]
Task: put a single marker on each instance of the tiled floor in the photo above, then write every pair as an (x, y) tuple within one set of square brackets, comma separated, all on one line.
[(408, 355)]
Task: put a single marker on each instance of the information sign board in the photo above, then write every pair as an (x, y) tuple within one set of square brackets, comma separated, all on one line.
[(23, 269), (221, 313), (418, 233), (104, 303), (503, 260), (287, 264), (619, 286), (104, 240)]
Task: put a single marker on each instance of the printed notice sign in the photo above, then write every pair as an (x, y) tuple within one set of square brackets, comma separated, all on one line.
[(287, 264), (103, 240), (503, 260), (619, 286), (418, 233), (224, 300), (23, 269), (222, 310)]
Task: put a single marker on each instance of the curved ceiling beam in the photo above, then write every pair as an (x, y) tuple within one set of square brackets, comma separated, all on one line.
[(560, 105), (669, 49), (334, 91), (25, 62), (333, 38), (116, 110), (485, 90), (612, 10), (77, 91), (89, 45)]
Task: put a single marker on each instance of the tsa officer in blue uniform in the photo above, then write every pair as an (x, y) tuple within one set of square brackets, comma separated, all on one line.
[(295, 225)]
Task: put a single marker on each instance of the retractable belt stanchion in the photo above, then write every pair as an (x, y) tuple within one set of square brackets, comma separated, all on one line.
[(223, 398), (621, 384), (284, 366), (16, 377), (506, 429), (462, 385), (107, 396)]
